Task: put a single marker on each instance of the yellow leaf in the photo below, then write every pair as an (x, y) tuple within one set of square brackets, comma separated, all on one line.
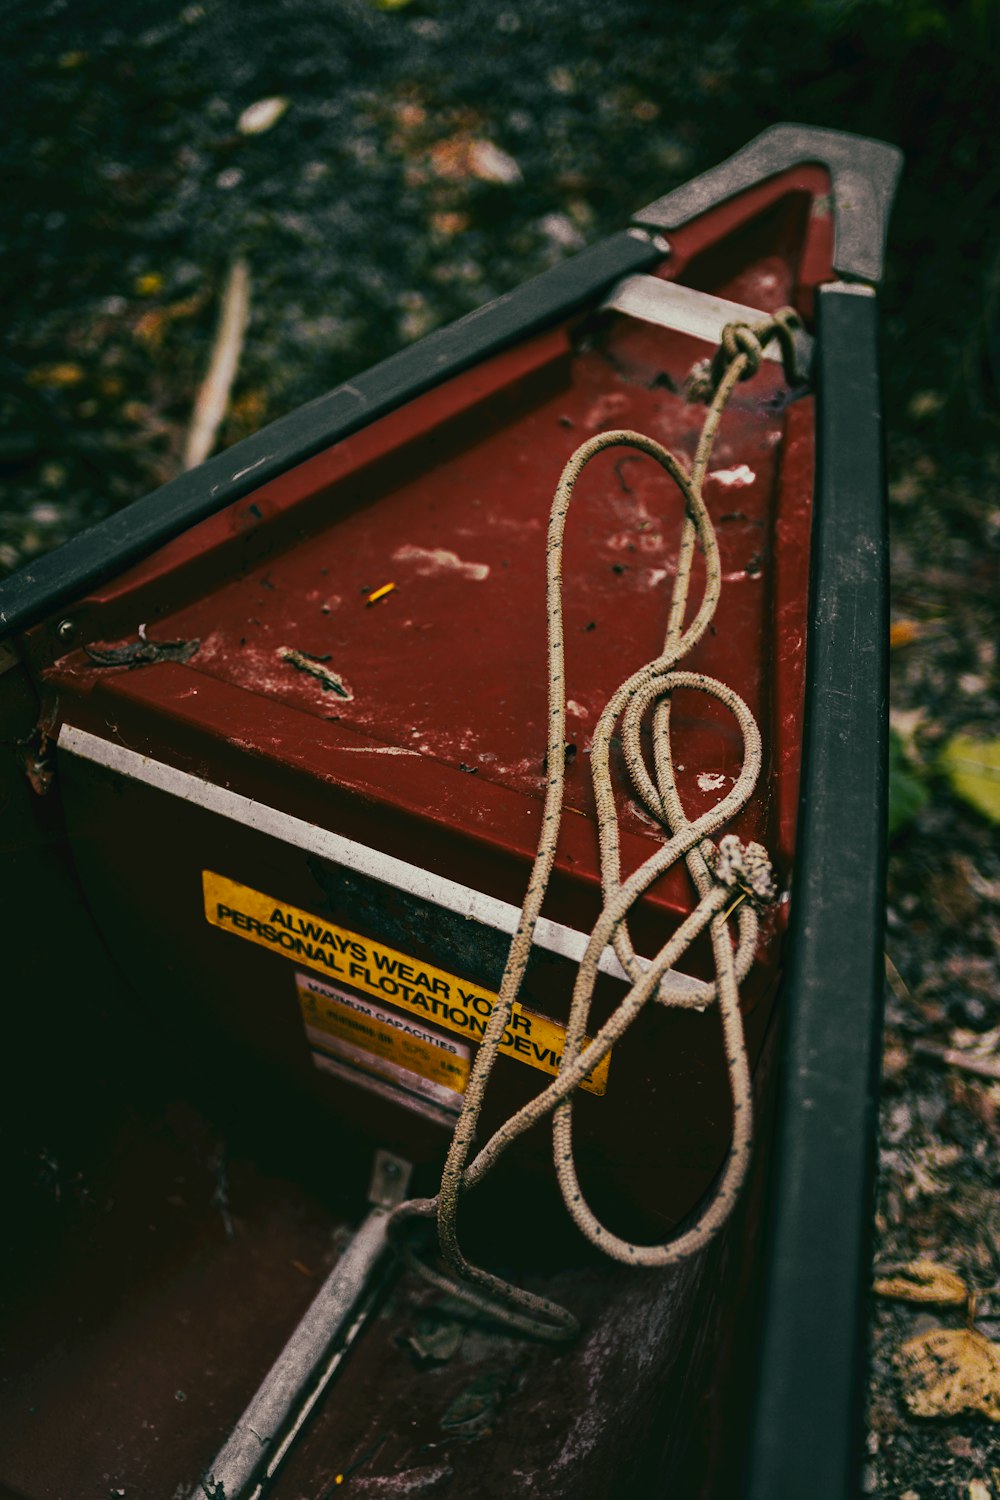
[(924, 1281), (148, 285), (973, 768), (152, 326), (903, 633), (951, 1370), (55, 377)]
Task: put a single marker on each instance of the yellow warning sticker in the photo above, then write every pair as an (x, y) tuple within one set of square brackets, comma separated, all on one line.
[(362, 1034), (437, 996)]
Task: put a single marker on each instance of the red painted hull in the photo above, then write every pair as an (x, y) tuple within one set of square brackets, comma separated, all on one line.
[(192, 1156)]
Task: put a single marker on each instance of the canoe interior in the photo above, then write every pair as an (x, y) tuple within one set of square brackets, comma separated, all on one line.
[(179, 1170), (170, 1253)]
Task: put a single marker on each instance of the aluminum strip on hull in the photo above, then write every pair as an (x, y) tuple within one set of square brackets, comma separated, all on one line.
[(436, 889)]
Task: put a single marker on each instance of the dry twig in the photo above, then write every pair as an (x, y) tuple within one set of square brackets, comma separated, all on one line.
[(213, 396)]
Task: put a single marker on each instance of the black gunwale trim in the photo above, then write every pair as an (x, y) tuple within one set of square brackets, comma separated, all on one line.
[(811, 1357), (863, 174), (65, 574)]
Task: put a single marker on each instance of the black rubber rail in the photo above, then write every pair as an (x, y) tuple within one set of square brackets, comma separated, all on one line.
[(806, 1432), (863, 175)]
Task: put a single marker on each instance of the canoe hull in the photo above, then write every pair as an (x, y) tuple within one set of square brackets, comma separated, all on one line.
[(177, 1159)]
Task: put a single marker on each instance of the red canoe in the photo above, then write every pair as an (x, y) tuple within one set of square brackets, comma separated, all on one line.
[(279, 742)]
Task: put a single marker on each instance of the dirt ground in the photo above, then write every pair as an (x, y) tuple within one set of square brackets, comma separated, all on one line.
[(426, 157)]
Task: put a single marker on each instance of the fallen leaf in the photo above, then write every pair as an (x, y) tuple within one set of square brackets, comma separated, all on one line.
[(149, 284), (973, 768), (490, 164), (261, 115), (447, 225), (951, 1370), (55, 377), (462, 156), (922, 1167), (152, 326), (925, 404), (142, 652), (450, 158), (313, 667), (979, 1490), (924, 1281), (895, 1060), (981, 1100), (903, 633), (248, 411), (409, 114)]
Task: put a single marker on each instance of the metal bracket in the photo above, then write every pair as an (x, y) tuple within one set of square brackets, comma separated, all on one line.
[(390, 1180), (685, 310), (863, 174), (285, 1398)]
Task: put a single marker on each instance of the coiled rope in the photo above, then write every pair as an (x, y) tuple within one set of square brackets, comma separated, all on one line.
[(728, 878)]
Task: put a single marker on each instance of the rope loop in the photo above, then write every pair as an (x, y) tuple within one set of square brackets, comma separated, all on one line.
[(715, 872)]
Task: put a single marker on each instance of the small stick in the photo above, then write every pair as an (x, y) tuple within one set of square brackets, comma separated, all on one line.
[(985, 1067), (213, 396), (896, 981), (733, 905)]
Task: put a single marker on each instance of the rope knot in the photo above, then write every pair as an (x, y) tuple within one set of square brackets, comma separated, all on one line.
[(747, 340), (739, 338), (745, 867)]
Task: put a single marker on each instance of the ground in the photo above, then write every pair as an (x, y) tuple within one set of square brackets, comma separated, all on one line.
[(429, 157)]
